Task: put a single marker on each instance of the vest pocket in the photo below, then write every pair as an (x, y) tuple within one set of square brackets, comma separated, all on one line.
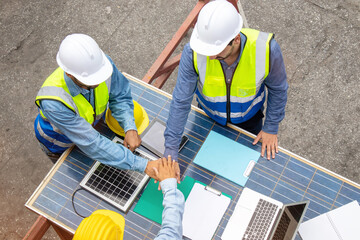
[(245, 92), (214, 87)]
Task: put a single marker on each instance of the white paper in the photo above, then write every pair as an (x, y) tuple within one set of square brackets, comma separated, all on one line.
[(203, 213), (343, 221)]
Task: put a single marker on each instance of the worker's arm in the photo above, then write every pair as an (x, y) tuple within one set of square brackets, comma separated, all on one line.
[(90, 141), (173, 202), (181, 103), (122, 107), (120, 100), (277, 86)]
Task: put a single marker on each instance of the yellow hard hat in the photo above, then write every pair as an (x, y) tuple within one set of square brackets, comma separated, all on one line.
[(141, 120), (101, 224)]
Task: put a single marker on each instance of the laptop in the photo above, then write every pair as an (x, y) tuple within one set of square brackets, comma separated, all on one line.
[(257, 217)]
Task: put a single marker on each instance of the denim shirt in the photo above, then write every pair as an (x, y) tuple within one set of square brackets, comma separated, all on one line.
[(276, 83), (173, 203), (81, 133)]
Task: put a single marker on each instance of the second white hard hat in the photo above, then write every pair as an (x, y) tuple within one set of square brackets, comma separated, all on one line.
[(217, 24), (80, 56)]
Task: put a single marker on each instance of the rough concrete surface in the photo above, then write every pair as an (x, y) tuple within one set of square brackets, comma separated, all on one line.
[(319, 40)]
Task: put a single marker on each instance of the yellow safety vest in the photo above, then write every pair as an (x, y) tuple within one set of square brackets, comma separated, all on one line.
[(240, 99), (55, 88)]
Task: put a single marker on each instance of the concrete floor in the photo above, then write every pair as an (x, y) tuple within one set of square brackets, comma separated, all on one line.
[(319, 39)]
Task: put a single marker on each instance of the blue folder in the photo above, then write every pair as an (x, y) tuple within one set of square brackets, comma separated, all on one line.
[(226, 158)]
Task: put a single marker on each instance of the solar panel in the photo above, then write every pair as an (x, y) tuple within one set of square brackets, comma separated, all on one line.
[(118, 187)]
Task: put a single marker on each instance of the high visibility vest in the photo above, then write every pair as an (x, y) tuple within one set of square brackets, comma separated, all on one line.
[(55, 88), (241, 98)]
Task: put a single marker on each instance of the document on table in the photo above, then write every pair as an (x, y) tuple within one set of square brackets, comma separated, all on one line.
[(342, 223), (204, 209), (227, 158)]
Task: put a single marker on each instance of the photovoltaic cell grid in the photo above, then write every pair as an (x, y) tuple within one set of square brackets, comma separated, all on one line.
[(118, 187), (287, 178)]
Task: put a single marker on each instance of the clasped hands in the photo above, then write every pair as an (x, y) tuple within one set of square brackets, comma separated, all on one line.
[(162, 169)]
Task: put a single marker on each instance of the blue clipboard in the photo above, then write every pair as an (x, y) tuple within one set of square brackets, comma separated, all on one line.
[(227, 158)]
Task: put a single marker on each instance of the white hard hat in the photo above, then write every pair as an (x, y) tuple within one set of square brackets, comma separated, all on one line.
[(80, 56), (217, 24)]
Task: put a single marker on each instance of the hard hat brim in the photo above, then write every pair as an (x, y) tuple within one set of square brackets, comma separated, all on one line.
[(96, 78), (141, 124), (208, 49)]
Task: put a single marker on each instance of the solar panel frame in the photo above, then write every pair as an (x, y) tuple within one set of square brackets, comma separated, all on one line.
[(103, 180)]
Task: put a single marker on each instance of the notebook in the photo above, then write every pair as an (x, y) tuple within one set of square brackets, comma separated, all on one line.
[(342, 223), (257, 217), (204, 209)]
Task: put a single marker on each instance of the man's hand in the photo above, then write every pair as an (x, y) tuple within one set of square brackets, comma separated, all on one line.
[(166, 169), (132, 140), (269, 142), (149, 170), (177, 171)]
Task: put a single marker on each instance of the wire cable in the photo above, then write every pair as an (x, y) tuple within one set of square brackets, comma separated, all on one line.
[(72, 201)]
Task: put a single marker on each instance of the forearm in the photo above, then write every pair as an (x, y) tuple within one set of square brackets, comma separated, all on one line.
[(173, 203), (120, 100), (113, 154), (276, 83), (275, 111), (181, 103), (90, 141), (179, 111)]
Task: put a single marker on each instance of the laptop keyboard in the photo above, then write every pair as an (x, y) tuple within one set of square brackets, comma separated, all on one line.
[(282, 228), (260, 221)]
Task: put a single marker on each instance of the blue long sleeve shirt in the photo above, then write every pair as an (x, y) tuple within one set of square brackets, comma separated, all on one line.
[(81, 133), (173, 203), (276, 83)]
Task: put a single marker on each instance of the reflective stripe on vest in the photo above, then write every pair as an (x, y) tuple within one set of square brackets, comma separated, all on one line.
[(55, 88), (246, 84), (50, 139)]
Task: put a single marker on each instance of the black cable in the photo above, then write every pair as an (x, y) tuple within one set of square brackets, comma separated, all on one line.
[(72, 201)]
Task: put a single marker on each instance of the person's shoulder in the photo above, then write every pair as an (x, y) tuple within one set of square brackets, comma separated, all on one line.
[(273, 42), (187, 53), (110, 59), (187, 49)]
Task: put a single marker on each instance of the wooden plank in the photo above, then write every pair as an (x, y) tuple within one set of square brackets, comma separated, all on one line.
[(170, 65), (160, 81), (174, 42), (63, 234), (38, 229)]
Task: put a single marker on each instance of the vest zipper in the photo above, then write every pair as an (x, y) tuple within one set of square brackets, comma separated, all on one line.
[(228, 86), (93, 124)]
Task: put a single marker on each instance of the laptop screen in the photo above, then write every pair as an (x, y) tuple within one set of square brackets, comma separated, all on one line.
[(289, 221)]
